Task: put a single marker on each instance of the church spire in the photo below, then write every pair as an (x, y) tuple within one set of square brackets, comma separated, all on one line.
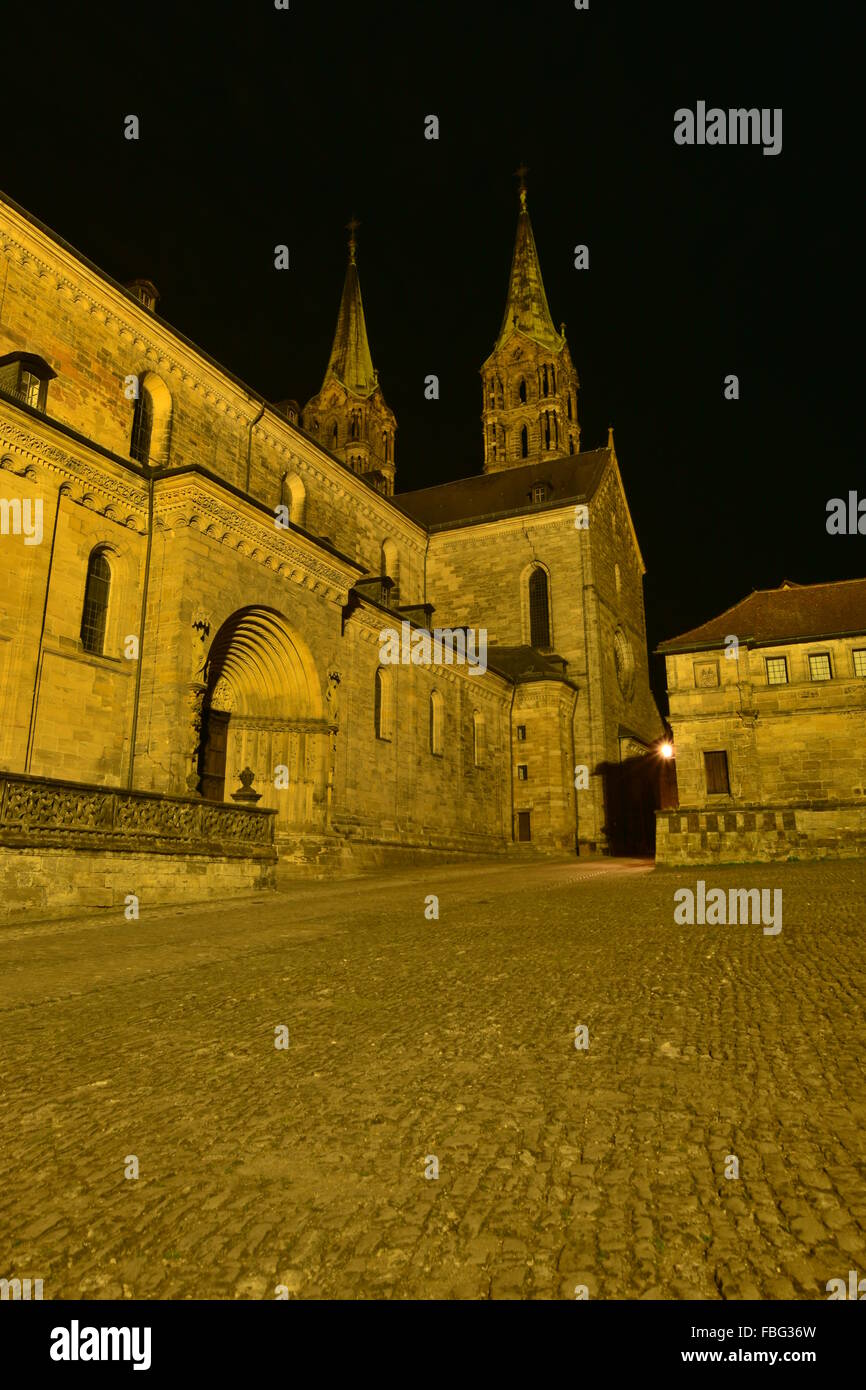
[(526, 307), (351, 361), (349, 416), (529, 409)]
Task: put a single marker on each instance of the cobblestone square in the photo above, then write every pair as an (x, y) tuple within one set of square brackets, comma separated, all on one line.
[(453, 1038)]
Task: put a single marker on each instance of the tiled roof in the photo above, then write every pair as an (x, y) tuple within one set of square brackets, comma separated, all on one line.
[(791, 613), (570, 479)]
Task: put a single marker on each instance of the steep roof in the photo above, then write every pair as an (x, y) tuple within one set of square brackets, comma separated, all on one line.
[(526, 307), (527, 664), (351, 361), (791, 613), (570, 479)]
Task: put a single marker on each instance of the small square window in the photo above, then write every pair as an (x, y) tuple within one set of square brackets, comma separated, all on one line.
[(539, 492), (777, 670), (860, 662), (819, 667), (716, 769), (521, 728), (522, 772)]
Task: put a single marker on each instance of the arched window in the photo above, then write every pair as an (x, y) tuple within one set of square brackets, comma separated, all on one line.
[(436, 723), (544, 381), (384, 717), (500, 393), (295, 498), (539, 610), (151, 421), (547, 428), (390, 567), (521, 391), (524, 442), (479, 738), (142, 426), (553, 380), (96, 592), (335, 434)]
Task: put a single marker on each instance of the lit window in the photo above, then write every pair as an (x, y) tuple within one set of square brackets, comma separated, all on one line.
[(860, 662), (539, 492), (777, 670), (716, 769), (521, 732), (819, 667), (96, 591), (522, 772)]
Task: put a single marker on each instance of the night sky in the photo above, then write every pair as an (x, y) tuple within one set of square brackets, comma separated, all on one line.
[(261, 127)]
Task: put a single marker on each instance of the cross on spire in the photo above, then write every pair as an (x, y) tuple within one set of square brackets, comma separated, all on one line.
[(351, 227), (520, 173)]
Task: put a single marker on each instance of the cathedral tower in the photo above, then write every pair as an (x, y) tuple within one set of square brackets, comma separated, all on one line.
[(349, 415), (530, 386)]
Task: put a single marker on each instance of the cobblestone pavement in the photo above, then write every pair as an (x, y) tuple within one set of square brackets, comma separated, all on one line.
[(305, 1167)]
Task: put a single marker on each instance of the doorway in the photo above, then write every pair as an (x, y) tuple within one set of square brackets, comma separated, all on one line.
[(212, 761)]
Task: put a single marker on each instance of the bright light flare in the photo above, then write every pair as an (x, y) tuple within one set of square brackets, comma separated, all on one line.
[(667, 750)]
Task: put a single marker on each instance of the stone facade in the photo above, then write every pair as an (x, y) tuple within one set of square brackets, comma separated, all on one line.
[(211, 582), (769, 721)]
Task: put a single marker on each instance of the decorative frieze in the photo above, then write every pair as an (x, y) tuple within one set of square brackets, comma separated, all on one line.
[(41, 812)]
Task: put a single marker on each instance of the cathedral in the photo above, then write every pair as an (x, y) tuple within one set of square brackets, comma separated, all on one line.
[(196, 581)]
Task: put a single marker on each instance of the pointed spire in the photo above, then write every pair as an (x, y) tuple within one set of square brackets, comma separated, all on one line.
[(610, 443), (526, 307), (350, 361)]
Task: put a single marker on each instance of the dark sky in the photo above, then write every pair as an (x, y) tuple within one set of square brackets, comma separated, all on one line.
[(261, 127)]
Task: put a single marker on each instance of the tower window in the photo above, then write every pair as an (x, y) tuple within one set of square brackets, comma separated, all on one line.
[(544, 381), (95, 614), (524, 442), (539, 610), (521, 391), (571, 444)]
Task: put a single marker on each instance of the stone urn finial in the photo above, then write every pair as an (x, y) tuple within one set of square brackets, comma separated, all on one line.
[(246, 792)]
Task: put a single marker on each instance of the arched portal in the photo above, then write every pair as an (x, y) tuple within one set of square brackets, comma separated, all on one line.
[(263, 710)]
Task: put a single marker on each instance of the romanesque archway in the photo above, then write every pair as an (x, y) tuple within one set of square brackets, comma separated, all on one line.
[(263, 709)]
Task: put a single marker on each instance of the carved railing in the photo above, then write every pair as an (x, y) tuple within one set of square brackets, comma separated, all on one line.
[(41, 811)]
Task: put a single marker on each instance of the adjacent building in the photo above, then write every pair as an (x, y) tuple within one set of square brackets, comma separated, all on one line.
[(768, 708)]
